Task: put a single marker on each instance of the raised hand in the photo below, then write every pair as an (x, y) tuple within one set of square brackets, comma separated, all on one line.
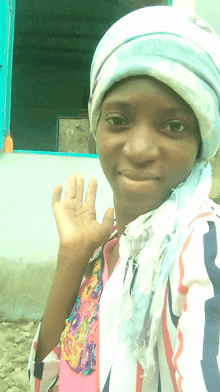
[(75, 219)]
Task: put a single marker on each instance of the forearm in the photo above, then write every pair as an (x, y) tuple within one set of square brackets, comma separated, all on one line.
[(71, 265)]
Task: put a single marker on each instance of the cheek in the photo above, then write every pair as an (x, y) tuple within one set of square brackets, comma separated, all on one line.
[(101, 148), (181, 160), (189, 152), (103, 151), (105, 145)]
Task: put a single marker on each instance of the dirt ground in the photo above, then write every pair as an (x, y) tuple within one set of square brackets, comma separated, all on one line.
[(15, 343)]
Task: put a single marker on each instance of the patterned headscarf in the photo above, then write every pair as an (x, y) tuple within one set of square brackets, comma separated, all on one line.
[(182, 51)]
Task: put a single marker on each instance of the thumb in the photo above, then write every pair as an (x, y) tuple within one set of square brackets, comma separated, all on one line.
[(107, 221), (108, 218)]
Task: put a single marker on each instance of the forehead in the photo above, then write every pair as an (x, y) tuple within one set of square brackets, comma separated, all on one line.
[(144, 88)]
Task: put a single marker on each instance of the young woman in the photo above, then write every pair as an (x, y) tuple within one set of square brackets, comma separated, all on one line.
[(135, 306)]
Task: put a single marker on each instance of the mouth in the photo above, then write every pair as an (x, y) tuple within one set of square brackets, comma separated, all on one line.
[(138, 182), (138, 176)]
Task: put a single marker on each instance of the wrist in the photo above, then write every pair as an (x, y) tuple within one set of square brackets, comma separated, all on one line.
[(77, 250), (72, 258)]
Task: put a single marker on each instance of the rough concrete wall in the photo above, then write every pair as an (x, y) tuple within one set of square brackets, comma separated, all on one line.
[(24, 288)]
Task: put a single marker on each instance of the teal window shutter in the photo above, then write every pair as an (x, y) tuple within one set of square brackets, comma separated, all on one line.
[(7, 12)]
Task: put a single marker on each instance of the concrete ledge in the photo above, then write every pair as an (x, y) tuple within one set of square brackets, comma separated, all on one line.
[(24, 289)]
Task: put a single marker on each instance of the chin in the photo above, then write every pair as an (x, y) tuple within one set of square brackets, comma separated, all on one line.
[(139, 206), (136, 209)]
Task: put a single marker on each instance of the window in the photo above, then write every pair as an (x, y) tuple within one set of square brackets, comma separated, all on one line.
[(54, 44)]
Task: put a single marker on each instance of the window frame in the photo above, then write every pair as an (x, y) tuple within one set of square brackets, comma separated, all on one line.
[(7, 15), (7, 18)]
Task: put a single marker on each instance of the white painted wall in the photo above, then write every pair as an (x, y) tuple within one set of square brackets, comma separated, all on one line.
[(27, 183), (28, 234), (210, 12), (187, 4)]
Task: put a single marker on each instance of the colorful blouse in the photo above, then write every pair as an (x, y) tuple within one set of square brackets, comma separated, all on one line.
[(188, 343), (77, 351)]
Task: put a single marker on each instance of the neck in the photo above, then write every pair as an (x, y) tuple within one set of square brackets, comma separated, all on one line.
[(123, 219)]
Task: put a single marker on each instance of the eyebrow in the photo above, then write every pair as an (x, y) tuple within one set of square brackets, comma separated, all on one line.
[(128, 106), (120, 105)]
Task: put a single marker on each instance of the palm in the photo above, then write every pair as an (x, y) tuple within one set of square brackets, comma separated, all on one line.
[(75, 219)]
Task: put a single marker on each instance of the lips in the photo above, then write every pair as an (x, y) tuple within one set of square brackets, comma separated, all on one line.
[(138, 175)]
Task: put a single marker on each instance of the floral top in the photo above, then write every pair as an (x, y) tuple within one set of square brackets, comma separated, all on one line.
[(76, 352), (78, 340)]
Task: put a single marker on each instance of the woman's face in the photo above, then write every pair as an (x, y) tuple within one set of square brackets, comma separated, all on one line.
[(147, 141)]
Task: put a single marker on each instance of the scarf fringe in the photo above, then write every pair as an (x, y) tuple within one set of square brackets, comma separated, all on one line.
[(141, 305)]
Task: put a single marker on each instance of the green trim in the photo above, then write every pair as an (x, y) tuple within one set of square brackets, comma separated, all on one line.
[(7, 13), (67, 154)]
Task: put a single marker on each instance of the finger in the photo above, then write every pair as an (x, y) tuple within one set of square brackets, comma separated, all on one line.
[(108, 219), (79, 186), (91, 192), (57, 194), (70, 188)]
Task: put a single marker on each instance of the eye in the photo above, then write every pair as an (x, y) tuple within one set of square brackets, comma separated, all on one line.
[(175, 127), (116, 121)]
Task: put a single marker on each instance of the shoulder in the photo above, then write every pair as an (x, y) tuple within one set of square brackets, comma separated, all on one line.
[(208, 212), (202, 241)]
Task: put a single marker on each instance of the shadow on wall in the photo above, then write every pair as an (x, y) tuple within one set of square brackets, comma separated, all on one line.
[(24, 288)]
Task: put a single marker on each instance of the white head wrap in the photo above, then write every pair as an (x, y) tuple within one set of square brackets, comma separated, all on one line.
[(172, 46)]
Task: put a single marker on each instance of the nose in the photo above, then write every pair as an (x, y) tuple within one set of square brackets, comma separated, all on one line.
[(142, 143)]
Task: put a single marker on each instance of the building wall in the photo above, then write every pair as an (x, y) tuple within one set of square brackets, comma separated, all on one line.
[(210, 12), (187, 4), (28, 235)]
